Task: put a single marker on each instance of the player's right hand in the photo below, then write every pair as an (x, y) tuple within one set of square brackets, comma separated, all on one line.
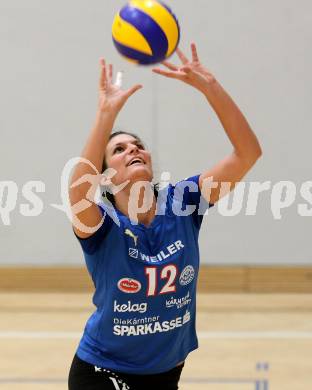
[(111, 95)]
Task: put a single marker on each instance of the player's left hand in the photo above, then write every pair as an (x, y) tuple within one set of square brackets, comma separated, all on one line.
[(191, 72)]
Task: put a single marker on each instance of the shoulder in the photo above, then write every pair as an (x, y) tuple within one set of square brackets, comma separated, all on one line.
[(91, 243)]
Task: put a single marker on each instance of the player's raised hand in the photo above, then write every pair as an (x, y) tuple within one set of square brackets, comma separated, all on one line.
[(111, 95), (191, 72)]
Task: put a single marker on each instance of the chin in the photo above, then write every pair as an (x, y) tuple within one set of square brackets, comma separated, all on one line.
[(141, 175)]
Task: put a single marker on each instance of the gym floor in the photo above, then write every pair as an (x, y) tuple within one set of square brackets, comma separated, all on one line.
[(247, 341)]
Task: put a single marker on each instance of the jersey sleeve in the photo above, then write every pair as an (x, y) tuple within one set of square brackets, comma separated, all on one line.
[(91, 243), (188, 190)]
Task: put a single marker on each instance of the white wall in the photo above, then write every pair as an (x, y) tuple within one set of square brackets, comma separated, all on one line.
[(257, 49)]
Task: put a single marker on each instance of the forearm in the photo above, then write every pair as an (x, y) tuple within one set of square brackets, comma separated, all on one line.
[(240, 134), (95, 146), (93, 151)]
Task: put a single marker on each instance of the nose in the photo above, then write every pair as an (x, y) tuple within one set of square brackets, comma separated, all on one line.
[(133, 148)]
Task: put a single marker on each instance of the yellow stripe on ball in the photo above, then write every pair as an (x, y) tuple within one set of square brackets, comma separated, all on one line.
[(125, 34), (131, 60), (163, 18)]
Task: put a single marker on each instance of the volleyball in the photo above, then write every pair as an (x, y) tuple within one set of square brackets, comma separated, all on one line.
[(146, 31)]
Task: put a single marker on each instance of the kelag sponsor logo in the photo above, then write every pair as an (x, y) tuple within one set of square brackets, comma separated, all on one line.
[(128, 285), (187, 275), (130, 307)]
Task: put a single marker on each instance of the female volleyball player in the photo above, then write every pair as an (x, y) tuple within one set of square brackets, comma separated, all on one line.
[(144, 264)]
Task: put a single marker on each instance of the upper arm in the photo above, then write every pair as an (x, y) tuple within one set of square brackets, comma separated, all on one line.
[(87, 222), (230, 170), (86, 215), (90, 242)]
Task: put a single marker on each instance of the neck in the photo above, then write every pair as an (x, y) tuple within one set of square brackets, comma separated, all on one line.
[(138, 205)]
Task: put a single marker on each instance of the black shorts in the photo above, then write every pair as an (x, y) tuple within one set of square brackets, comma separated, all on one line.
[(85, 376)]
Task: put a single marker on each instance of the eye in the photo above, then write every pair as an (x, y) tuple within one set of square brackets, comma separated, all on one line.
[(118, 149), (140, 146)]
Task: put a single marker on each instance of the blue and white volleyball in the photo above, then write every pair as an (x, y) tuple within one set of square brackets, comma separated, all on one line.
[(146, 31)]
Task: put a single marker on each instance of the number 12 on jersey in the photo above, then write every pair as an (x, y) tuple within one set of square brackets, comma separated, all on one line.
[(169, 272)]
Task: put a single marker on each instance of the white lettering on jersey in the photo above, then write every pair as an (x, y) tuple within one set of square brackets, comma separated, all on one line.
[(156, 327), (178, 302), (129, 307), (135, 321), (162, 255)]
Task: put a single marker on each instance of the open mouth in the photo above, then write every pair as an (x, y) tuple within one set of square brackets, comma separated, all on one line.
[(136, 161)]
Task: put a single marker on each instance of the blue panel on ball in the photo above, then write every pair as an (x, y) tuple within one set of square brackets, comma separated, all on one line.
[(149, 29), (142, 58)]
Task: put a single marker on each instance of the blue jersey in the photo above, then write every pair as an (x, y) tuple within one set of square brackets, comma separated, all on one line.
[(145, 285)]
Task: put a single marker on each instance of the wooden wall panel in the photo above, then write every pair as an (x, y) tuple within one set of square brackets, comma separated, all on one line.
[(275, 279), (222, 279), (211, 279), (44, 279)]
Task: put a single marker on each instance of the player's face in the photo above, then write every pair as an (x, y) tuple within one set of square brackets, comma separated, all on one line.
[(129, 158)]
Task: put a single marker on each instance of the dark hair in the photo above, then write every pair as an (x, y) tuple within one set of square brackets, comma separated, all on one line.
[(106, 194)]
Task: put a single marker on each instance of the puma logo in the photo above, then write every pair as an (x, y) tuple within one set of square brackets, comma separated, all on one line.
[(128, 232)]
